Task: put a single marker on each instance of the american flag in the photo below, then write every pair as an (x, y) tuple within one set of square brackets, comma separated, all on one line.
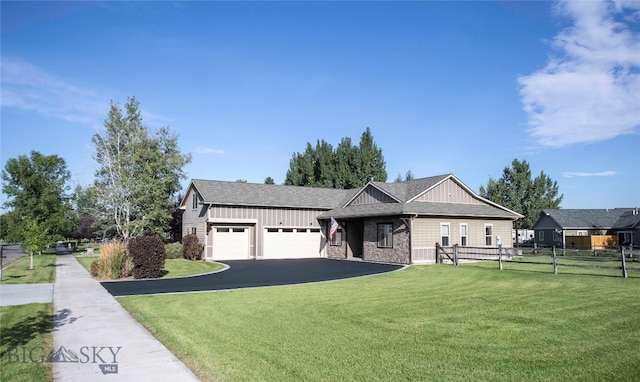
[(333, 227)]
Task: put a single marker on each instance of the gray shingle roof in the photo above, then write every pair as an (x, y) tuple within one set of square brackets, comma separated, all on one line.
[(420, 208), (585, 218), (629, 220), (406, 190), (268, 195)]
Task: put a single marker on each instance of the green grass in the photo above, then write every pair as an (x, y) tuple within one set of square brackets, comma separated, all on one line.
[(19, 273), (433, 322), (25, 327), (172, 267)]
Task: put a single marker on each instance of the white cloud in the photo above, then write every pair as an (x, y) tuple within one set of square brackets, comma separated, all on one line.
[(208, 150), (571, 174), (27, 87), (590, 91)]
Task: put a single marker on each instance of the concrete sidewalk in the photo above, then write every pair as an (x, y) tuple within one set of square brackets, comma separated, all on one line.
[(95, 339), (20, 294)]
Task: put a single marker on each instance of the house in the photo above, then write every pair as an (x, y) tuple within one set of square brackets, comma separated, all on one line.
[(585, 228), (627, 228), (386, 222)]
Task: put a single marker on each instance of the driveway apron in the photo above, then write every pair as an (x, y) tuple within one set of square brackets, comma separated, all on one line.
[(95, 338)]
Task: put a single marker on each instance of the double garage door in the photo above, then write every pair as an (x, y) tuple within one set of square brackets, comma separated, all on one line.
[(234, 243), (291, 243)]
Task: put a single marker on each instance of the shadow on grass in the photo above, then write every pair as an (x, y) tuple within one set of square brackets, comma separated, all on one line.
[(24, 331)]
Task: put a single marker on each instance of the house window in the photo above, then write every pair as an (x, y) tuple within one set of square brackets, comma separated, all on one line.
[(444, 234), (222, 230), (194, 201), (193, 230), (556, 236), (336, 240), (583, 233), (488, 234), (463, 235), (385, 235), (541, 236)]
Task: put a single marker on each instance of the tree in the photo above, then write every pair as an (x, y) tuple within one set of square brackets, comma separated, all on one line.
[(517, 191), (347, 166), (408, 176), (35, 187), (269, 180), (35, 237), (138, 173), (85, 201)]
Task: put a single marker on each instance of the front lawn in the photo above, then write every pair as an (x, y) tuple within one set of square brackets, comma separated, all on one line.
[(28, 328), (19, 273), (433, 322), (172, 267)]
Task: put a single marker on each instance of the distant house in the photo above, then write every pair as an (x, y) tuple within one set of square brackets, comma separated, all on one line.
[(586, 228), (385, 222)]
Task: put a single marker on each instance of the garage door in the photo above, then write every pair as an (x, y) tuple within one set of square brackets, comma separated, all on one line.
[(291, 243), (230, 243)]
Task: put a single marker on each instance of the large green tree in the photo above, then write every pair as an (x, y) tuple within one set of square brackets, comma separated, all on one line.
[(347, 166), (138, 173), (36, 187), (518, 191)]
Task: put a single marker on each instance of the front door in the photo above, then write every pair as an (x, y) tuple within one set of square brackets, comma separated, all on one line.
[(355, 237)]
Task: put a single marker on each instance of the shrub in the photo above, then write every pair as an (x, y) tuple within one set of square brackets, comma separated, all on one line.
[(173, 250), (95, 266), (108, 265), (191, 247), (126, 269), (148, 255)]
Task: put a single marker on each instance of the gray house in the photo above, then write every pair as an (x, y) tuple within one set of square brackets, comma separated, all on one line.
[(386, 222), (563, 227)]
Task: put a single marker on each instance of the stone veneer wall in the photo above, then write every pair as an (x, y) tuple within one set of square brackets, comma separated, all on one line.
[(337, 252), (401, 251)]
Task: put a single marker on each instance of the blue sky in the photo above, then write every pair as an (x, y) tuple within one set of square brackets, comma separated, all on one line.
[(445, 87)]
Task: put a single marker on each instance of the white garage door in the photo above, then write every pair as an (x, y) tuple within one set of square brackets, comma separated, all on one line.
[(230, 243), (291, 243)]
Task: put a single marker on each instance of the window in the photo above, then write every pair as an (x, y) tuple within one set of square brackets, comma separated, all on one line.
[(488, 234), (272, 230), (463, 235), (287, 230), (194, 201), (444, 234), (583, 233), (336, 240), (301, 230), (315, 230), (541, 236), (238, 230), (193, 230), (556, 236), (222, 229), (385, 235)]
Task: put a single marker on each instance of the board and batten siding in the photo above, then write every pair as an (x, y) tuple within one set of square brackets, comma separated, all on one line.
[(194, 218), (372, 195), (426, 233), (265, 217), (448, 192)]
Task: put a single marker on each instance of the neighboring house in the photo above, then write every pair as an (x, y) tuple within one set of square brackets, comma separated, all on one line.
[(566, 227), (627, 228), (386, 222)]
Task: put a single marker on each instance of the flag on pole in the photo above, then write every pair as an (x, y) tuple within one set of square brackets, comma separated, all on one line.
[(333, 227)]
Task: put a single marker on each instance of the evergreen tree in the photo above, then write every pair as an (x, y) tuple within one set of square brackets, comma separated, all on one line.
[(517, 191), (346, 166)]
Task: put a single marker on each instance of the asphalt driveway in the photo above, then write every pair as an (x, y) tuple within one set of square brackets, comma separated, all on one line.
[(253, 273)]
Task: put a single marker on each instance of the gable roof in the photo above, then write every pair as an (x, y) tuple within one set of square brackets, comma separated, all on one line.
[(406, 193), (583, 218), (266, 195), (628, 220)]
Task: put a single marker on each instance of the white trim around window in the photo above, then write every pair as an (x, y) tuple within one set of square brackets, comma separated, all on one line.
[(488, 235), (445, 234), (464, 231)]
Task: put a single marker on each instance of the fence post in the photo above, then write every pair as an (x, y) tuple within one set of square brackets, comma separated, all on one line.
[(455, 254), (555, 263), (624, 264), (500, 255), (438, 255)]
